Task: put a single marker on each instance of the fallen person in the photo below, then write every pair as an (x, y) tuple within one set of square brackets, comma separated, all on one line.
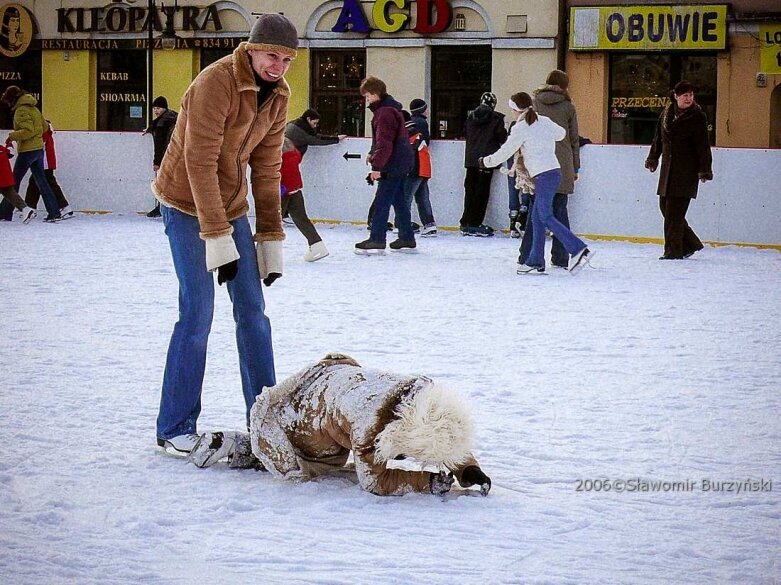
[(406, 433)]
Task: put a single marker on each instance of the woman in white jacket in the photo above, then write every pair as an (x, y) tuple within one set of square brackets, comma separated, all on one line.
[(535, 137)]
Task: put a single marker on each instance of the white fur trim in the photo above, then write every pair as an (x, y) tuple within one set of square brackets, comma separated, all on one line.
[(220, 251), (270, 257), (434, 427)]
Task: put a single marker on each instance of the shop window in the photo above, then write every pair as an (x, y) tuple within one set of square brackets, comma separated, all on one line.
[(209, 56), (23, 71), (121, 90), (336, 80), (640, 88), (460, 75)]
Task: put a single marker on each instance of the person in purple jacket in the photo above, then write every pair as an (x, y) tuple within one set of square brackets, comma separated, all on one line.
[(391, 159)]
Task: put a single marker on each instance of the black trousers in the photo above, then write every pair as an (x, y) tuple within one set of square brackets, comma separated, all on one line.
[(293, 204), (477, 190), (33, 194), (679, 238)]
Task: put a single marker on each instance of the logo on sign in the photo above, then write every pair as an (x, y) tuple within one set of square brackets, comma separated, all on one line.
[(16, 30)]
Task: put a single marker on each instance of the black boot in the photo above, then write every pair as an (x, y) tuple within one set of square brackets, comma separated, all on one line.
[(155, 212)]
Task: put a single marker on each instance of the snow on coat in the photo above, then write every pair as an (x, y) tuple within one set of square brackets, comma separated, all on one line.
[(307, 426)]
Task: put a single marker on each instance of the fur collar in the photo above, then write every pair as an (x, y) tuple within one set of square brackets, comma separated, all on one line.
[(245, 77), (432, 426), (669, 121), (551, 94)]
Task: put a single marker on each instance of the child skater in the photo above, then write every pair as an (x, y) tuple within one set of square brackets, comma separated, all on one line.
[(8, 187), (536, 136), (293, 201)]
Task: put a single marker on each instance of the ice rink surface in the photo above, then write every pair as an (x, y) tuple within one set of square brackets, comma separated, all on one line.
[(661, 379)]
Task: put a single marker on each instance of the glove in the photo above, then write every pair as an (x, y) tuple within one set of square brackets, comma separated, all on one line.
[(220, 251), (270, 260), (441, 483), (651, 165), (705, 177), (480, 163), (473, 475), (369, 180), (227, 272)]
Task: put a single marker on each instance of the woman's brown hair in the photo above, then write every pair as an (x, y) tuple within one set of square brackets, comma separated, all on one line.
[(11, 95), (523, 100)]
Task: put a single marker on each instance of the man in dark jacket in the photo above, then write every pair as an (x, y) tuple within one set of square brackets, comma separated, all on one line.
[(682, 142), (485, 133), (391, 159), (303, 132), (161, 129)]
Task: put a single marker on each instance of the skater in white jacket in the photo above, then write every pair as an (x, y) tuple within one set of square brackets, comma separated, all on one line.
[(536, 136)]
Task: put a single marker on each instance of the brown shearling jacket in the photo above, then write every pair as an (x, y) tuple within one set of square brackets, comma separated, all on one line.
[(221, 130), (306, 426)]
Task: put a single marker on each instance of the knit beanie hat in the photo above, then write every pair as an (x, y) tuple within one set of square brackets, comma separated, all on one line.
[(488, 99), (160, 102), (273, 32), (310, 113), (418, 106), (558, 77)]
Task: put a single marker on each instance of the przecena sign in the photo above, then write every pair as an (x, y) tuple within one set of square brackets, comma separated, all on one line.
[(656, 28), (431, 16)]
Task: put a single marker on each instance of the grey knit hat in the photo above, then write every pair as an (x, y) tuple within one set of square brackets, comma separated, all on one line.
[(273, 32)]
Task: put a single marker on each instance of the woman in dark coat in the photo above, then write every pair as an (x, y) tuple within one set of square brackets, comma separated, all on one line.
[(681, 141)]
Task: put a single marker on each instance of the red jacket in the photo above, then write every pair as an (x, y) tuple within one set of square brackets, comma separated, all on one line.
[(290, 172), (6, 174), (49, 156)]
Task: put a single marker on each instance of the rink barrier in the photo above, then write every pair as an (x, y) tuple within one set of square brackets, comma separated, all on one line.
[(614, 197)]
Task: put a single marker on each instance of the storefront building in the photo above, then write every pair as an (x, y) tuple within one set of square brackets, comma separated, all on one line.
[(624, 57), (87, 61)]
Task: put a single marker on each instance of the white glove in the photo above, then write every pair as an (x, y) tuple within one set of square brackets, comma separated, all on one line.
[(220, 251), (269, 260)]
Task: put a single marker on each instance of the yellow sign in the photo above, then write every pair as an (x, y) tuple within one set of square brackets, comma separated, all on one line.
[(648, 28), (770, 48), (16, 30)]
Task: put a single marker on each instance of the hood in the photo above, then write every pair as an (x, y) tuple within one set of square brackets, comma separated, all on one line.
[(387, 101), (169, 116), (483, 114), (27, 99), (433, 426), (551, 94)]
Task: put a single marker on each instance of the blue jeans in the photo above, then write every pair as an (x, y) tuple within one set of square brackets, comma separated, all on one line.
[(180, 401), (417, 187), (390, 191), (558, 256), (33, 160), (545, 185)]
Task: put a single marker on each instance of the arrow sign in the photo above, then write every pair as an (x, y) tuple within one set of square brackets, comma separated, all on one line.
[(349, 155)]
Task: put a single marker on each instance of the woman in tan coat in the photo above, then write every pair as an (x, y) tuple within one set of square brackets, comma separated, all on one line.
[(406, 433)]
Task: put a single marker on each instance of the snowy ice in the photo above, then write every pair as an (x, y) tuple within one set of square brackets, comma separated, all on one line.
[(636, 370)]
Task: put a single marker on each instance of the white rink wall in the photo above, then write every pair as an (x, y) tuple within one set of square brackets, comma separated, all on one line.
[(615, 196)]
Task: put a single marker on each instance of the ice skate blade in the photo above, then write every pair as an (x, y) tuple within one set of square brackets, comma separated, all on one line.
[(361, 252)]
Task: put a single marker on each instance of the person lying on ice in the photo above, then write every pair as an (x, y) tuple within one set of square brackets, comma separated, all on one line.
[(406, 433)]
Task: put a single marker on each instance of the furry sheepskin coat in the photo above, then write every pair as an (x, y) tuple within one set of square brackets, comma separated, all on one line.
[(308, 425)]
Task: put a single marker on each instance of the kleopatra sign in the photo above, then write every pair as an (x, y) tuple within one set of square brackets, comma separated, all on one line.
[(649, 28)]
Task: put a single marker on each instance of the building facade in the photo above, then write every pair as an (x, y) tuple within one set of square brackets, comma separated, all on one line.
[(623, 58), (87, 61)]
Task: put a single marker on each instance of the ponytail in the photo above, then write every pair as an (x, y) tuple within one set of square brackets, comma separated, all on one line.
[(524, 102)]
